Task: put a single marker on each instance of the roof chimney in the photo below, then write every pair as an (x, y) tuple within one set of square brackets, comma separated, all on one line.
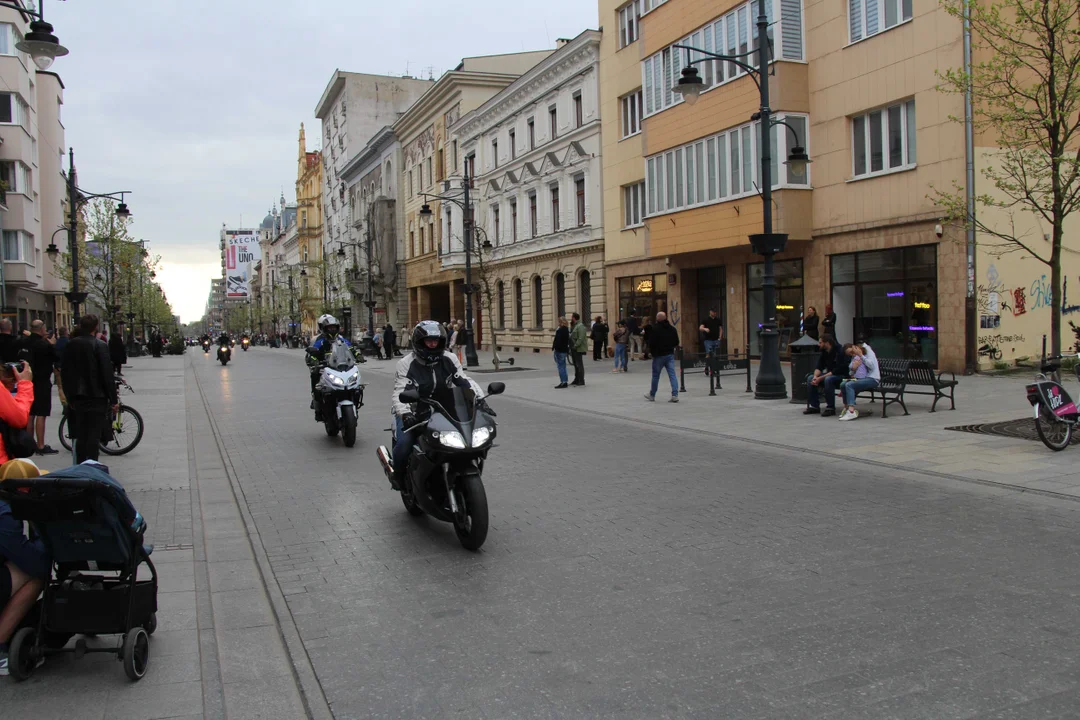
[(559, 42)]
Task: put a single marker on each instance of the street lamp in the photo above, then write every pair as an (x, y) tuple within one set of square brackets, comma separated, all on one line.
[(40, 43), (770, 383), (462, 201)]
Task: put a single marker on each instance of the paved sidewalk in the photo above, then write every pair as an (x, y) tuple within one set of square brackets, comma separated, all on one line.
[(915, 442)]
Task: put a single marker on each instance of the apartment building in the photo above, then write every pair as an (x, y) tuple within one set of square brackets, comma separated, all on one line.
[(309, 209), (533, 153), (33, 198), (855, 84)]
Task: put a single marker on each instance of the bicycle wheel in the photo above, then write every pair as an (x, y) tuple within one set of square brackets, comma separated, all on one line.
[(1054, 432), (63, 430), (127, 432)]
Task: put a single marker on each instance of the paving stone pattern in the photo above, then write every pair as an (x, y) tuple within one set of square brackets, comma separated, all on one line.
[(650, 571)]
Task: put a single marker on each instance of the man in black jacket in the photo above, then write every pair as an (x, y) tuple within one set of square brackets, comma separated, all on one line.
[(389, 339), (86, 374), (38, 353), (663, 340), (831, 370)]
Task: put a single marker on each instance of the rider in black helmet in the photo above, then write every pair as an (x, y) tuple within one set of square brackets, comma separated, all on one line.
[(426, 368)]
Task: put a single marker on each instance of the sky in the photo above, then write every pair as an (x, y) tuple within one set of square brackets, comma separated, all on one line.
[(195, 105)]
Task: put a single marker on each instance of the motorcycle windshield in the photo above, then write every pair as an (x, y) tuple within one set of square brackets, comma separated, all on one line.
[(458, 402), (341, 357)]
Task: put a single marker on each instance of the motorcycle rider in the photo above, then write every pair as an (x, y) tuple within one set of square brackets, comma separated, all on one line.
[(427, 367), (324, 343)]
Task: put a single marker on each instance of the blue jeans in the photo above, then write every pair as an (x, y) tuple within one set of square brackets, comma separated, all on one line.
[(712, 346), (403, 445), (560, 362), (620, 356), (852, 387), (664, 362), (828, 387)]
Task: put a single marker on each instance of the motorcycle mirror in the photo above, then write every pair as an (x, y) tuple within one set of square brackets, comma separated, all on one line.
[(496, 388), (409, 396)]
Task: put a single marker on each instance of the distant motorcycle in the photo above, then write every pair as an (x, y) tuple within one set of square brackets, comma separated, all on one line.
[(338, 392), (224, 354), (206, 346), (245, 343)]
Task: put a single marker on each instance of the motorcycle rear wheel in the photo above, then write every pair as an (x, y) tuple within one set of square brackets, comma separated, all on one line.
[(1055, 433), (408, 499), (471, 524), (348, 425)]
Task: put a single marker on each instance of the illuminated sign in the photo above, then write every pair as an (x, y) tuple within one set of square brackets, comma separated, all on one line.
[(921, 328), (645, 286), (785, 307), (922, 306), (894, 294)]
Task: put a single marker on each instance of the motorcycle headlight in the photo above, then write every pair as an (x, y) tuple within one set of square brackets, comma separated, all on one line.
[(336, 380), (480, 436), (452, 439)]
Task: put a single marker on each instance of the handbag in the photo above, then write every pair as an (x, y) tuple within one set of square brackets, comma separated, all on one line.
[(18, 442)]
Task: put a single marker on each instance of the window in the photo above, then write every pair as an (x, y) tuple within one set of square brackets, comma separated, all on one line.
[(553, 122), (870, 17), (423, 241), (629, 17), (448, 237), (412, 244), (13, 110), (18, 246), (518, 313), (470, 167), (513, 221), (719, 168), (633, 204), (9, 36), (538, 302), (532, 214), (579, 197), (500, 298), (579, 118), (631, 114), (531, 124), (513, 144), (648, 6), (883, 140), (495, 223), (554, 209), (789, 301), (560, 296), (453, 147), (430, 177), (440, 165), (585, 293), (410, 184), (494, 153)]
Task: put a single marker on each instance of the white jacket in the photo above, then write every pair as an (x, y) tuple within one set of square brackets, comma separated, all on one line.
[(402, 381)]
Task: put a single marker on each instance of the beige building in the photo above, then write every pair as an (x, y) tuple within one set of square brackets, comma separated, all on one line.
[(309, 209), (855, 82), (428, 154), (533, 151)]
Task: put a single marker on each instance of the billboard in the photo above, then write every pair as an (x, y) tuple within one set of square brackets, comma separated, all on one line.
[(241, 253)]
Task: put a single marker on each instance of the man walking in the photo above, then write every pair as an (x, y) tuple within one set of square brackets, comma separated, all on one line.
[(88, 382), (389, 340), (712, 332), (600, 331), (663, 340), (38, 353), (633, 327), (579, 345)]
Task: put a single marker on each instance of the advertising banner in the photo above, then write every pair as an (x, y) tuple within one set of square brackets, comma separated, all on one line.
[(241, 254)]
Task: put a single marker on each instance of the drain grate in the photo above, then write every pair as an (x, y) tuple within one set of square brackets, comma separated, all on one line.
[(1023, 429)]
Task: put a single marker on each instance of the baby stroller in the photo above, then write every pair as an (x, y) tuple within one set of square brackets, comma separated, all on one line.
[(87, 523)]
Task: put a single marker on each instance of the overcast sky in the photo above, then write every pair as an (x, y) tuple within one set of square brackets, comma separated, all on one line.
[(195, 105)]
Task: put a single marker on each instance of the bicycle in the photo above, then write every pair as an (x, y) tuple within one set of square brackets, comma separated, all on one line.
[(1055, 412), (127, 426)]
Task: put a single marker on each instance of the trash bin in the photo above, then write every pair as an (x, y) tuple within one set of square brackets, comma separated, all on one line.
[(804, 357)]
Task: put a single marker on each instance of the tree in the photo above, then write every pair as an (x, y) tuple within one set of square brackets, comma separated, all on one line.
[(1026, 94), (486, 280)]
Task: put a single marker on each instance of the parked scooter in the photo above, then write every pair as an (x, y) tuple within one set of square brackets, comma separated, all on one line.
[(224, 354), (444, 476), (338, 392)]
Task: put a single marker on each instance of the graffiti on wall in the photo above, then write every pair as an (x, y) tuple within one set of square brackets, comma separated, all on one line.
[(1012, 311)]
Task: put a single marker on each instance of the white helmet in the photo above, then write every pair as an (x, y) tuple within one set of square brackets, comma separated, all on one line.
[(328, 321)]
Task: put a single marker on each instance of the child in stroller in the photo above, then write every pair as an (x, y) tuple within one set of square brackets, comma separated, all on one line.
[(86, 523)]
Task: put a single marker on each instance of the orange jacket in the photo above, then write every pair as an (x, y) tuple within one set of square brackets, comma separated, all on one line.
[(15, 410)]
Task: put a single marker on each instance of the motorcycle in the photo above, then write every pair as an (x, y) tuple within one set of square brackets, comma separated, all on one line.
[(338, 392), (224, 354), (245, 343), (1055, 412), (444, 474), (206, 346)]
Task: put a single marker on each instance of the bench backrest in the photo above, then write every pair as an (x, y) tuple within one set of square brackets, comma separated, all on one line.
[(893, 370), (919, 371)]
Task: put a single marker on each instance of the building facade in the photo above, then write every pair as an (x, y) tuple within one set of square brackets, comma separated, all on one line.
[(857, 90), (533, 153), (309, 209), (428, 156)]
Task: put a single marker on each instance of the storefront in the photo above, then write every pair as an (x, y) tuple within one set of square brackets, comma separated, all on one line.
[(789, 302), (645, 294), (889, 297)]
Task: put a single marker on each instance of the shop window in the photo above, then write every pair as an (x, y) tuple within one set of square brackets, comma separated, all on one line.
[(789, 301), (644, 295)]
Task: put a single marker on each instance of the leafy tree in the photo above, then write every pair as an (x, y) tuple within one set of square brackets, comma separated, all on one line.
[(1026, 96), (486, 285)]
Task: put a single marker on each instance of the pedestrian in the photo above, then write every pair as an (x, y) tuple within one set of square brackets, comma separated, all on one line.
[(117, 353), (864, 374), (61, 342), (711, 332), (406, 340), (579, 345), (600, 332), (646, 334), (89, 386), (8, 351), (633, 326), (663, 339), (828, 323), (38, 352), (810, 322), (560, 347), (377, 343), (621, 334), (459, 342), (389, 337), (832, 368)]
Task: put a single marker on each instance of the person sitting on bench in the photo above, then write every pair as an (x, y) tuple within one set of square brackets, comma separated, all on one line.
[(865, 375), (831, 369), (24, 564)]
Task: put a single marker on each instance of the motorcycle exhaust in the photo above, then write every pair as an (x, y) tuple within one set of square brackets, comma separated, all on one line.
[(384, 458)]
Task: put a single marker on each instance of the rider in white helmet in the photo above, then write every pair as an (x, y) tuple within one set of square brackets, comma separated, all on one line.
[(324, 343)]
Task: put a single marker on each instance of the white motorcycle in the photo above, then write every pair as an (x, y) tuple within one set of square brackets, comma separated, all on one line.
[(339, 393)]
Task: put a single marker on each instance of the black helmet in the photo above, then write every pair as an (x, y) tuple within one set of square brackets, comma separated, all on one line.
[(425, 330)]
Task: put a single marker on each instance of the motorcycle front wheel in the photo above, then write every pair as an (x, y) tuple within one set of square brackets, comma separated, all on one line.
[(471, 521), (348, 425), (1054, 432)]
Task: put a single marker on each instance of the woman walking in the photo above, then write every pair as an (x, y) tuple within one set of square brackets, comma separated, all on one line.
[(810, 322), (621, 336), (561, 348), (117, 352)]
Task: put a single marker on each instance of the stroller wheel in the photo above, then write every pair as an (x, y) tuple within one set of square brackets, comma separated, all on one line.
[(21, 660), (151, 624), (136, 653)]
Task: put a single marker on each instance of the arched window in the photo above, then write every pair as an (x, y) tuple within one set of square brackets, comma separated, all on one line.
[(538, 302), (560, 295), (388, 183), (585, 294), (500, 291), (519, 317)]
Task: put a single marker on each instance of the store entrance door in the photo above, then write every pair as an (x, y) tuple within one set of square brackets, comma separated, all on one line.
[(711, 295)]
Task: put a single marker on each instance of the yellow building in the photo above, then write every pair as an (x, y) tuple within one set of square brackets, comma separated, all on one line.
[(855, 83), (309, 219)]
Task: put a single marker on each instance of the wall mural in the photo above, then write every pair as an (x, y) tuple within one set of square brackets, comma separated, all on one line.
[(1014, 311)]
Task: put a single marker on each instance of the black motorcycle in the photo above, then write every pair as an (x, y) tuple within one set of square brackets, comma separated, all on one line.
[(443, 478), (224, 354), (206, 346)]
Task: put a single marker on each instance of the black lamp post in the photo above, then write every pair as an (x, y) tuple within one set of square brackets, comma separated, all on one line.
[(770, 383), (40, 43), (462, 201)]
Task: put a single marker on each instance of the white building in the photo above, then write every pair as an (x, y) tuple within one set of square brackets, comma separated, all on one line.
[(534, 153), (353, 108)]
